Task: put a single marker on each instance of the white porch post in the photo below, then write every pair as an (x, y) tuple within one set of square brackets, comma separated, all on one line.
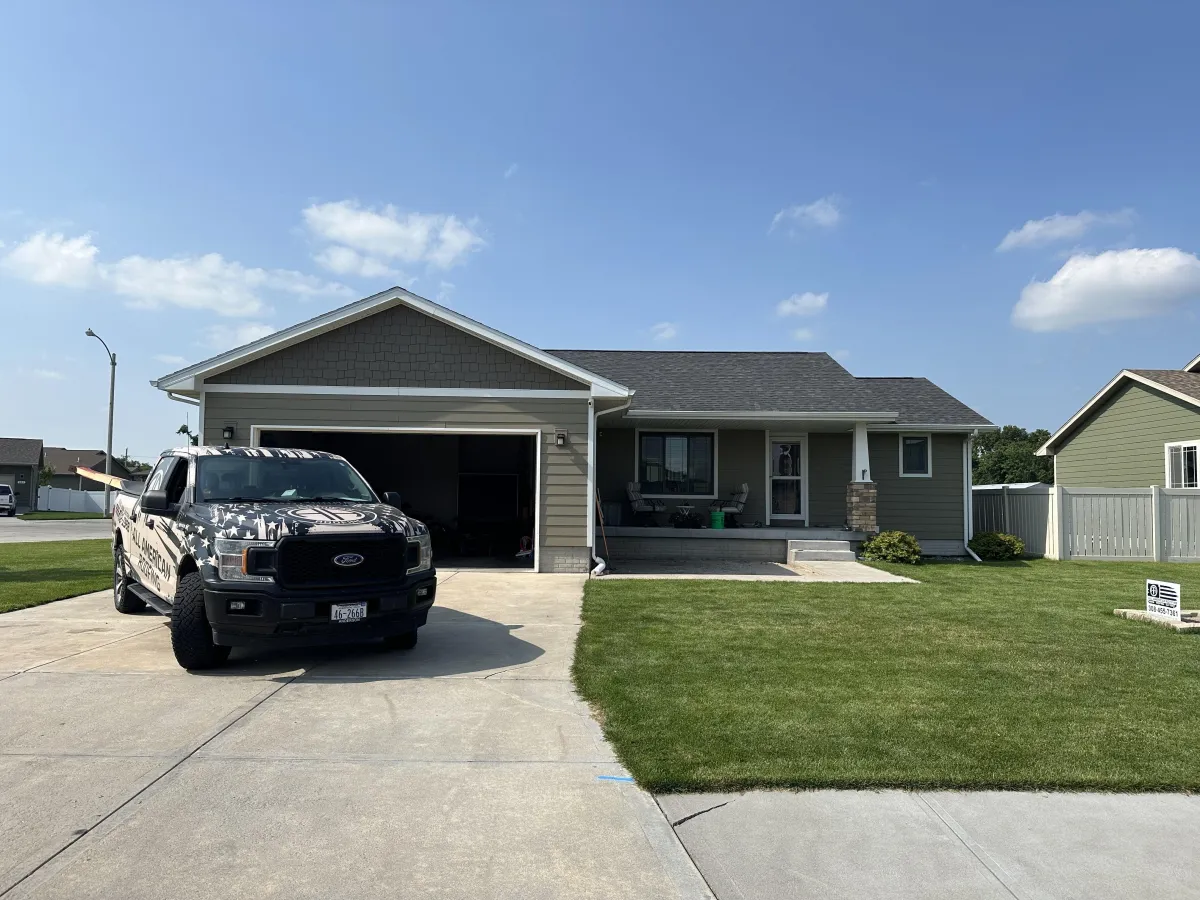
[(862, 456)]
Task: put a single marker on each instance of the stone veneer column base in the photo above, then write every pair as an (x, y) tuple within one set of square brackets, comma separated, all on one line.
[(861, 504), (573, 560)]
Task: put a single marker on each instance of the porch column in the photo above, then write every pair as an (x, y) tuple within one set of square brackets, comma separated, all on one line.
[(861, 493)]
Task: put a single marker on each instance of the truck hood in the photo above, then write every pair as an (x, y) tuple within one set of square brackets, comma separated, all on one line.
[(272, 521)]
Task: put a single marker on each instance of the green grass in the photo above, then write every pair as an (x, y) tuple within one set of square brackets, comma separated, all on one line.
[(40, 516), (1006, 675), (35, 573)]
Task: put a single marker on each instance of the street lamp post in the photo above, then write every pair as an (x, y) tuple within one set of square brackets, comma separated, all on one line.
[(112, 390)]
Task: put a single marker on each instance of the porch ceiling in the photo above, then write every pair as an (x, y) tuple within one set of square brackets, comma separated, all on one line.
[(792, 423)]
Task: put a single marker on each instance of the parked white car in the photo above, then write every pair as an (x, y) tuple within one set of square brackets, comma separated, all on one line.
[(8, 501)]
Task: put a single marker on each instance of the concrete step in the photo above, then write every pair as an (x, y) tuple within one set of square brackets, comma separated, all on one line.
[(800, 556), (818, 545)]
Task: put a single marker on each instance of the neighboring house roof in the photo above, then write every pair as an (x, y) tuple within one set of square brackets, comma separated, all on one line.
[(1180, 384), (713, 381), (20, 452), (63, 461)]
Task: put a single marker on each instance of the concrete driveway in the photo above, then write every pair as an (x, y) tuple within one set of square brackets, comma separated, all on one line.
[(16, 530), (465, 768)]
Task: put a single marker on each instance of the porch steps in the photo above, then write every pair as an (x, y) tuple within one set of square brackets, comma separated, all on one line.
[(807, 551)]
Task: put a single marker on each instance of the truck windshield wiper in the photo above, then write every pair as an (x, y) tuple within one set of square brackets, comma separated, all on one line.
[(333, 499), (236, 500)]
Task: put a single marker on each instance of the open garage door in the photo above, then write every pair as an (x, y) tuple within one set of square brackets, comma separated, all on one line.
[(476, 492)]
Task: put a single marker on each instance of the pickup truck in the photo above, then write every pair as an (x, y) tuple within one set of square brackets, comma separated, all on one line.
[(247, 546)]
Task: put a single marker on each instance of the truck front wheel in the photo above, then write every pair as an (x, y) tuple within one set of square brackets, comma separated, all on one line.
[(404, 641), (191, 635)]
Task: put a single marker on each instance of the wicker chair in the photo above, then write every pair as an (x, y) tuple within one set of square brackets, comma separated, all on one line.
[(643, 509), (734, 506)]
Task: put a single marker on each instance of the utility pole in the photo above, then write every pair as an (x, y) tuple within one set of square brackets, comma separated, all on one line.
[(112, 390)]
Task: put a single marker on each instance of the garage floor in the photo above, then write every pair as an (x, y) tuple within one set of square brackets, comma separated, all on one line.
[(466, 768)]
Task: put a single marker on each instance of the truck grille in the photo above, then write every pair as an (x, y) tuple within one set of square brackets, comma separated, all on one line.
[(309, 562)]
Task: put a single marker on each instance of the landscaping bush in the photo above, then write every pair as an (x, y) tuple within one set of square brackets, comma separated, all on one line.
[(891, 546), (996, 546)]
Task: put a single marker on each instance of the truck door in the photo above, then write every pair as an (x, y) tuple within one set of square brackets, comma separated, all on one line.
[(145, 549)]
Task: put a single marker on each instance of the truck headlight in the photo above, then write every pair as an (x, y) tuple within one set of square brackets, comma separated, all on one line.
[(420, 554), (245, 560)]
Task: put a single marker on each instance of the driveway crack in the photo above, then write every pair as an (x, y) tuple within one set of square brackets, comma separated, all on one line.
[(688, 818)]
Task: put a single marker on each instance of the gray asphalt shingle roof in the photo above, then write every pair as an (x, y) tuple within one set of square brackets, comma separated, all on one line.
[(20, 451), (715, 381), (1184, 382)]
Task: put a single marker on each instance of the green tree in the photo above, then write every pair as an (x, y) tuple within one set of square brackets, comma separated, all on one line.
[(45, 475), (1007, 457), (193, 439)]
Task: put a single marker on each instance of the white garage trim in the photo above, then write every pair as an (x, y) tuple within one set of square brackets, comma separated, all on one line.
[(335, 390), (536, 433)]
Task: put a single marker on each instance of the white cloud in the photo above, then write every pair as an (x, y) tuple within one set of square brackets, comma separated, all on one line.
[(804, 335), (168, 360), (510, 171), (1055, 228), (345, 261), (53, 259), (663, 331), (1109, 287), (48, 374), (806, 304), (225, 337), (841, 355), (823, 213), (439, 240), (445, 292), (208, 282)]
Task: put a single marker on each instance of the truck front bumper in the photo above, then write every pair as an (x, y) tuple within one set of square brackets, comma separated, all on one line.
[(267, 614)]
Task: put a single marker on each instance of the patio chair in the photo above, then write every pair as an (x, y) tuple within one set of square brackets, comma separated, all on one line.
[(643, 509), (734, 506)]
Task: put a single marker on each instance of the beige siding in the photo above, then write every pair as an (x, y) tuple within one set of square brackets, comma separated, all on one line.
[(1121, 445), (563, 488), (929, 508), (828, 474)]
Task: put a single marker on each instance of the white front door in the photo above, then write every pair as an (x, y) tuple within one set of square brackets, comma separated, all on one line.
[(788, 465)]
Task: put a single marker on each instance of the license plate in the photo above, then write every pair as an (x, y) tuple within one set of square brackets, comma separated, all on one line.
[(348, 612)]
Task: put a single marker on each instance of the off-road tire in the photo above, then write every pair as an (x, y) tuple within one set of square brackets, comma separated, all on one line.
[(191, 635), (404, 641), (123, 598)]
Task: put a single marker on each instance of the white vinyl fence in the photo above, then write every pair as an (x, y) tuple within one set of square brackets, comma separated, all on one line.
[(68, 500), (1095, 523)]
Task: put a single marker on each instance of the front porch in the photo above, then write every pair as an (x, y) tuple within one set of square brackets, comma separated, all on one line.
[(626, 543)]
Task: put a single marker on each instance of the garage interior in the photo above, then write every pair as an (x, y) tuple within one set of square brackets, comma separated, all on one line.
[(475, 492)]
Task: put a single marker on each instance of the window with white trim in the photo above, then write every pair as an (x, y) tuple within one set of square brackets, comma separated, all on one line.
[(677, 463), (1182, 468), (916, 457)]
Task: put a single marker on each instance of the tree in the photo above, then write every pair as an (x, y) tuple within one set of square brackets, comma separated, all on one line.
[(45, 475), (193, 439), (131, 464), (1007, 457)]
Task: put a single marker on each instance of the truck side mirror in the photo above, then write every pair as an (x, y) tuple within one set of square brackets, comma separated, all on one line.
[(155, 502), (391, 498)]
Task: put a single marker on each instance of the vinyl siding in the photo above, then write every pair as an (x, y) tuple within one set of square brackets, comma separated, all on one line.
[(929, 508), (563, 488), (828, 474), (26, 493), (1121, 445)]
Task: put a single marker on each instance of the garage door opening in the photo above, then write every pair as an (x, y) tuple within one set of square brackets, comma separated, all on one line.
[(476, 492)]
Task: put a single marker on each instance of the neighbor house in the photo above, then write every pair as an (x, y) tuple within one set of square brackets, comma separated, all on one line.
[(495, 440), (20, 464), (1141, 430), (64, 461)]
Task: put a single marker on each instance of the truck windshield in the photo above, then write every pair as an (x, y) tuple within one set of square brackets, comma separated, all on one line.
[(241, 479)]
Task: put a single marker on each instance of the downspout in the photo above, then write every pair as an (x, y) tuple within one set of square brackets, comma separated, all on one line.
[(594, 499), (969, 497)]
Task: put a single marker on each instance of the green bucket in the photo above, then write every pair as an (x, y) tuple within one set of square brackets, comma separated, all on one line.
[(717, 517)]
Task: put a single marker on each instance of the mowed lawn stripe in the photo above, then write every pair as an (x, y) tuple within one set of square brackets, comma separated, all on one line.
[(39, 572), (993, 676)]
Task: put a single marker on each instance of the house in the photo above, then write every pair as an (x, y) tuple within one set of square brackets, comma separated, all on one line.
[(20, 464), (1141, 430), (495, 440), (63, 461)]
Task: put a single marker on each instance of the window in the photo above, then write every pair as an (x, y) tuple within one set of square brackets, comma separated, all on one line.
[(915, 461), (1182, 470), (787, 488), (677, 464), (237, 479)]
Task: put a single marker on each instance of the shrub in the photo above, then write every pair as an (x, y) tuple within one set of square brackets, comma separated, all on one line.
[(891, 546), (996, 545)]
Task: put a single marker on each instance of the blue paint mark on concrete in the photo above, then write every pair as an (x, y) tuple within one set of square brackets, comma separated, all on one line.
[(613, 778)]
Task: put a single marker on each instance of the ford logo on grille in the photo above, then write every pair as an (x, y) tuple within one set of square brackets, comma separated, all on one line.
[(347, 559)]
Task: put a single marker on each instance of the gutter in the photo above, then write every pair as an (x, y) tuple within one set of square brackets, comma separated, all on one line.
[(593, 500), (968, 497)]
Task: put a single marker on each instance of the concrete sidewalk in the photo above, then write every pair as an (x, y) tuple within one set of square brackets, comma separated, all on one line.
[(940, 845), (465, 768), (15, 530)]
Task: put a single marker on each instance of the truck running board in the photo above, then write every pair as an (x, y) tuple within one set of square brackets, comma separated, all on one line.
[(149, 598)]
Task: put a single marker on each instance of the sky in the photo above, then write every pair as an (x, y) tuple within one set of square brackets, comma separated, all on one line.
[(998, 196)]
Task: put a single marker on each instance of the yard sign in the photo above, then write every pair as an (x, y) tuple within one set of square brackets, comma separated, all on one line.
[(1162, 599)]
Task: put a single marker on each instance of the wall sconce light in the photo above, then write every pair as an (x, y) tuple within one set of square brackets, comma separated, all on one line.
[(560, 439), (228, 432)]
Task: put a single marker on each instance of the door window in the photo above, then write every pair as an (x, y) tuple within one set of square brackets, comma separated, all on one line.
[(787, 481)]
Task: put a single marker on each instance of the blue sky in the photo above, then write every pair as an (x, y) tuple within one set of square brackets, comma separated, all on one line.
[(1000, 197)]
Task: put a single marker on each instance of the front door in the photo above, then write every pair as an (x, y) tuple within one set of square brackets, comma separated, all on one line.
[(787, 464)]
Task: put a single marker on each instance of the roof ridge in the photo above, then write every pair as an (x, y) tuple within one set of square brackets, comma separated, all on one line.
[(745, 352)]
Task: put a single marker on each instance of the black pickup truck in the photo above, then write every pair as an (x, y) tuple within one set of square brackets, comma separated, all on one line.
[(250, 545)]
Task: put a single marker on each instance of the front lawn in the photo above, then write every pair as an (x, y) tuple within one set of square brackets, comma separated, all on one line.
[(52, 514), (1009, 675), (39, 572)]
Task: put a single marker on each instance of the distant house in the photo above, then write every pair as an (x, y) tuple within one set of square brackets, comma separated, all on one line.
[(20, 463), (1141, 430), (63, 461)]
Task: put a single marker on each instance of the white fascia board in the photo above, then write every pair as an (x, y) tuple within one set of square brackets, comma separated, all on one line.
[(940, 428), (334, 390), (365, 307), (765, 414), (1193, 366), (1124, 375)]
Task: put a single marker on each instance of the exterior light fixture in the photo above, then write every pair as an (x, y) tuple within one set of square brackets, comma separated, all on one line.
[(228, 432), (560, 439)]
